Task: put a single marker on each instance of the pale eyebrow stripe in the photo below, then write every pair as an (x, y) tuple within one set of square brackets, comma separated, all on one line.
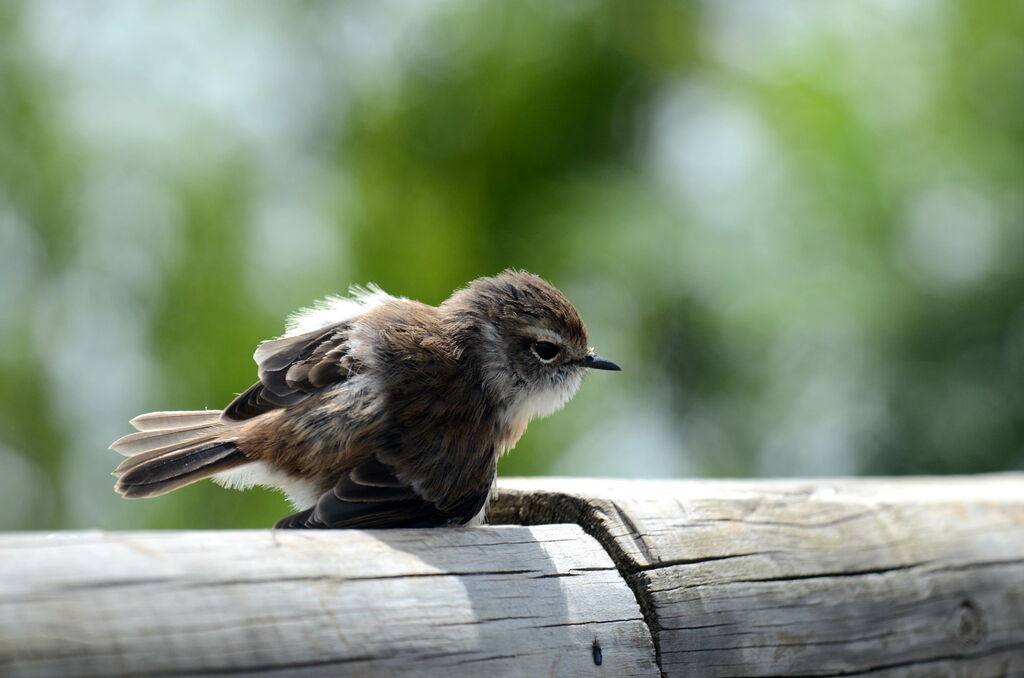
[(544, 334)]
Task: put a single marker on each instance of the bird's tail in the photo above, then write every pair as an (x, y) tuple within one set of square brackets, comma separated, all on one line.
[(173, 449)]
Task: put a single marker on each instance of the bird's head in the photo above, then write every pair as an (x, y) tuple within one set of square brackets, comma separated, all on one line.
[(530, 339)]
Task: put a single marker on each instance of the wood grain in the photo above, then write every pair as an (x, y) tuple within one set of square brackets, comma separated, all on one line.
[(539, 601), (919, 577), (886, 577)]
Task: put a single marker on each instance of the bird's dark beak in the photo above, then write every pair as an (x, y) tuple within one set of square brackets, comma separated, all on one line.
[(596, 362)]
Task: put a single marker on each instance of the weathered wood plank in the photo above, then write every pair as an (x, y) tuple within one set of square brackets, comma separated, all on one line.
[(913, 577), (447, 602), (898, 577)]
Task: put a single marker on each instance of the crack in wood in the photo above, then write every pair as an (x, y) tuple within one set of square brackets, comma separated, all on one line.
[(539, 508), (586, 623), (676, 562), (1011, 648), (783, 523)]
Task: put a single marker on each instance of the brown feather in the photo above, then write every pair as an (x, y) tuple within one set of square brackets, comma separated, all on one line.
[(144, 457), (171, 471), (145, 441), (284, 369), (397, 414)]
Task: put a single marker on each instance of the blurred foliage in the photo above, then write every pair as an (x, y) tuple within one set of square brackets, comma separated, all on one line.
[(796, 225)]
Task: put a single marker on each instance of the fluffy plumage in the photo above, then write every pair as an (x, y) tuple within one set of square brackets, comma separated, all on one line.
[(378, 411)]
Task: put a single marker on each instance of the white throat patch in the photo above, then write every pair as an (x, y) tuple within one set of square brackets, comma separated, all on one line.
[(529, 406)]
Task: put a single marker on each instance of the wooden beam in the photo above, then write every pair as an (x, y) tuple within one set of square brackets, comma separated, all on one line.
[(872, 577), (488, 601), (883, 577)]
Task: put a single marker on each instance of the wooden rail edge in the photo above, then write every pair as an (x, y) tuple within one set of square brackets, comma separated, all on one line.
[(868, 577)]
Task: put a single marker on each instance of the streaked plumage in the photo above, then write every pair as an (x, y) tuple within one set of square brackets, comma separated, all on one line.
[(378, 411)]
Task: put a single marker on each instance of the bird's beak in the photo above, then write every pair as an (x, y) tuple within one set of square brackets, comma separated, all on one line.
[(596, 362)]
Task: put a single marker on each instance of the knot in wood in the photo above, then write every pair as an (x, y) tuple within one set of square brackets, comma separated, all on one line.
[(970, 624)]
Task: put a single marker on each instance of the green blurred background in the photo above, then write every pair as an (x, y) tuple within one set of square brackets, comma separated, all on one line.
[(797, 225)]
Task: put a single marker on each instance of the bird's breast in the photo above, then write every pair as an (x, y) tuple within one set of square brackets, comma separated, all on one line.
[(511, 430)]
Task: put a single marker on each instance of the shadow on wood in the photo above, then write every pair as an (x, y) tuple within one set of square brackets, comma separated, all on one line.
[(504, 600)]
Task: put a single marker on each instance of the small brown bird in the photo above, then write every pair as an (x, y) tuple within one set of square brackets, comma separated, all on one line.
[(379, 411)]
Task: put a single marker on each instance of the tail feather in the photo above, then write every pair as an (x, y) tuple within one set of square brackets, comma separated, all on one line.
[(172, 449), (162, 421), (174, 469), (147, 441), (143, 457)]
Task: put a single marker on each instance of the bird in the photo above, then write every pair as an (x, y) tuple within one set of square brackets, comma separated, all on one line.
[(377, 411)]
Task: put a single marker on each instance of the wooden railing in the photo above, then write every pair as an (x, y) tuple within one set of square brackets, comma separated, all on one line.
[(872, 577)]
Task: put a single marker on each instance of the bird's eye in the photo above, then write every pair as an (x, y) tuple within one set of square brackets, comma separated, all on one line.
[(545, 350)]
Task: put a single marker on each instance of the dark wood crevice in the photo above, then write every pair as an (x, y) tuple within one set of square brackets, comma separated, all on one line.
[(516, 507)]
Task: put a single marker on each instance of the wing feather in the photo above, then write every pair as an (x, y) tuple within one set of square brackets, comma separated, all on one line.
[(291, 368), (372, 496)]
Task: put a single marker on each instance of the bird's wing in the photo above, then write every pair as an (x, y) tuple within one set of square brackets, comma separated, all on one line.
[(372, 496), (291, 368)]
